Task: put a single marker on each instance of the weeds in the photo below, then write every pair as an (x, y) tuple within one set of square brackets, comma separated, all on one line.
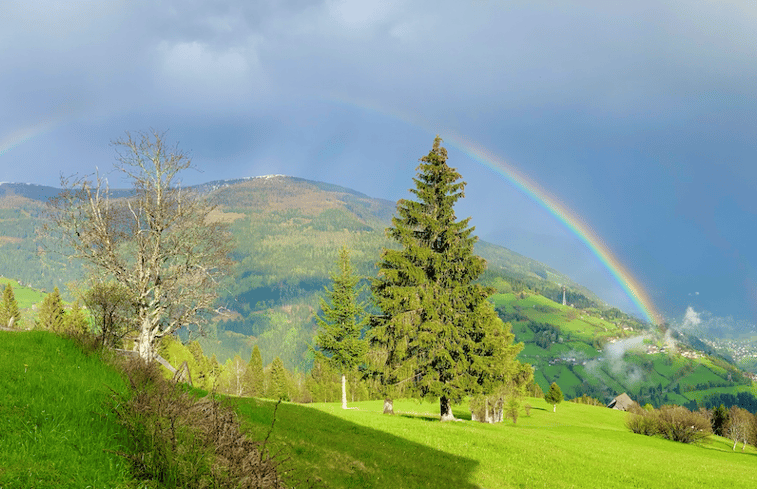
[(179, 440)]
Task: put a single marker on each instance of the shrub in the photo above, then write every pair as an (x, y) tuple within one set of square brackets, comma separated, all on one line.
[(642, 423), (513, 407), (585, 399), (674, 423), (677, 423), (178, 440), (527, 407)]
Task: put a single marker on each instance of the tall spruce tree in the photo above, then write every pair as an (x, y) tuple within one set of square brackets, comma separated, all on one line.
[(278, 382), (437, 333), (339, 336)]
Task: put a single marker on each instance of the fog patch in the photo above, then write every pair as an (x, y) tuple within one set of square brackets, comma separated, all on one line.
[(613, 363)]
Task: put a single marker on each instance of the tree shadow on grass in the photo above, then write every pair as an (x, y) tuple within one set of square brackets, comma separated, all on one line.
[(334, 453)]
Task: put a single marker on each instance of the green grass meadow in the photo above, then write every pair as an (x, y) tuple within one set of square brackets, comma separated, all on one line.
[(55, 432), (54, 427), (578, 446)]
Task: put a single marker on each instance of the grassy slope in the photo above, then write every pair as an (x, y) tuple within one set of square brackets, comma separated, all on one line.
[(53, 426), (578, 446), (54, 432)]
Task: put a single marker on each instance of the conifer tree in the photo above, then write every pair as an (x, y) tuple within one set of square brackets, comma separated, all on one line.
[(51, 313), (9, 308), (435, 322), (278, 383), (322, 382), (554, 396), (255, 373), (341, 325), (200, 368), (75, 320)]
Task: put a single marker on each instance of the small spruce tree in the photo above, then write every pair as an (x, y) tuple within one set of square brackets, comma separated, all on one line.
[(719, 420), (256, 376), (51, 313), (554, 396), (9, 314), (278, 383), (76, 320), (339, 336)]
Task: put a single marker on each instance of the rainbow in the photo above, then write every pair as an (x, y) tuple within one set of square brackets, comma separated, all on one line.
[(535, 192), (20, 136), (574, 223)]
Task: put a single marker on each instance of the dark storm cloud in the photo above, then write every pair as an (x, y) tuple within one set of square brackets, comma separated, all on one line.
[(638, 116)]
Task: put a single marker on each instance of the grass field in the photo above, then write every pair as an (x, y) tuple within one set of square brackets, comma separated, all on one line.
[(54, 432), (578, 446), (54, 427)]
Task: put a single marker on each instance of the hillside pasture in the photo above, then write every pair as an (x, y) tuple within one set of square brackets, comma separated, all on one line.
[(578, 446)]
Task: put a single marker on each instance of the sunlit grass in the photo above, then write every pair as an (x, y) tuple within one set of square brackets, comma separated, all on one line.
[(54, 427), (578, 446)]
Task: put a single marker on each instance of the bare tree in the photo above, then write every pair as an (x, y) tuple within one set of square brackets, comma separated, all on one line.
[(158, 239), (738, 427)]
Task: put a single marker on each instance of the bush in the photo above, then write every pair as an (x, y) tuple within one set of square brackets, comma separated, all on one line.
[(674, 423), (642, 423), (178, 440), (677, 423), (585, 399)]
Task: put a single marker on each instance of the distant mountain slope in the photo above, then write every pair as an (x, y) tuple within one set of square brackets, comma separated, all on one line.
[(288, 231)]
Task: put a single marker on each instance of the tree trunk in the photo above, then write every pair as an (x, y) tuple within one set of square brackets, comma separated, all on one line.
[(144, 344), (344, 392), (388, 406), (554, 408), (735, 442), (446, 409)]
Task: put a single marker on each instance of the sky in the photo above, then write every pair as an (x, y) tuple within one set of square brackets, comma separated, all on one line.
[(639, 119)]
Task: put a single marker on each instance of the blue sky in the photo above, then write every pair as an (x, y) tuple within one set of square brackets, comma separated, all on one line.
[(642, 118)]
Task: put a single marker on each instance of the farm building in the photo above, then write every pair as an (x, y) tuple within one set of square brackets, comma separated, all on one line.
[(621, 403)]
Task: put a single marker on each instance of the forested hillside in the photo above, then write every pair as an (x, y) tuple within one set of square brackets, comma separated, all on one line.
[(287, 235)]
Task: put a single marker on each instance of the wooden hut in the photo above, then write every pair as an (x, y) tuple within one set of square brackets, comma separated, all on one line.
[(621, 403)]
